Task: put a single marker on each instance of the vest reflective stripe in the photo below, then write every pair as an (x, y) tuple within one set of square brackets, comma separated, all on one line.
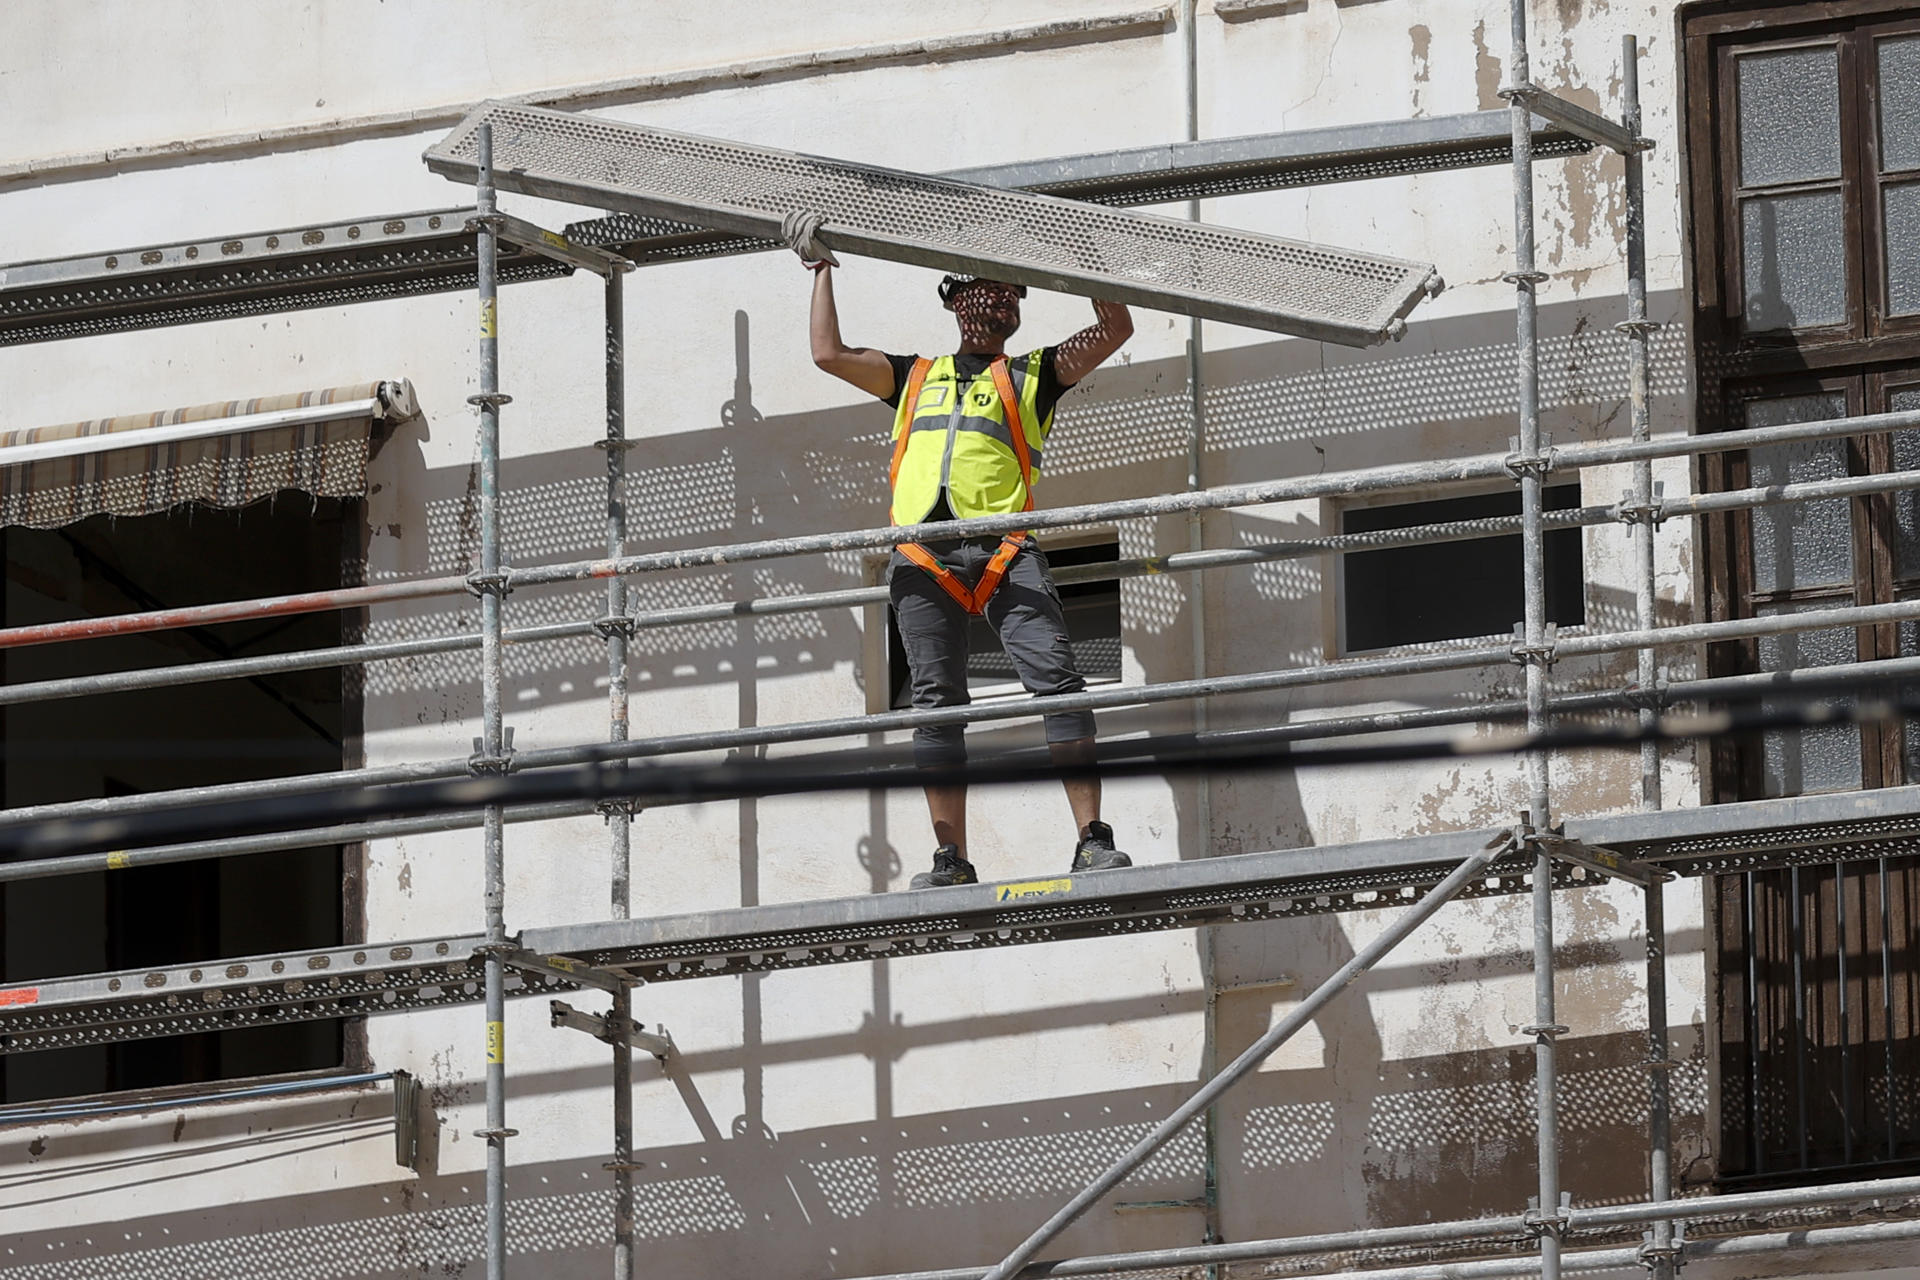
[(963, 439), (1013, 430)]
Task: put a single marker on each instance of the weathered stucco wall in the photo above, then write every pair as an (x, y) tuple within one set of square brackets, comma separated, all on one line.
[(914, 1113)]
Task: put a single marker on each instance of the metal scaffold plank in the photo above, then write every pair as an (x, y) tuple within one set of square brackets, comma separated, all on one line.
[(409, 254), (344, 982), (389, 978), (1204, 169), (257, 273), (1264, 282)]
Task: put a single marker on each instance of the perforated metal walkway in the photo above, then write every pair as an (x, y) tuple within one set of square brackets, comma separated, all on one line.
[(1264, 282), (353, 981)]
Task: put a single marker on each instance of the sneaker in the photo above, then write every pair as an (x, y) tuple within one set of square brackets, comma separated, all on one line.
[(1095, 852), (948, 868)]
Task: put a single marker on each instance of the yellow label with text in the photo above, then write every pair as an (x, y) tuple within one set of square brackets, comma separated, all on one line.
[(496, 1042), (117, 860), (1035, 889), (489, 318)]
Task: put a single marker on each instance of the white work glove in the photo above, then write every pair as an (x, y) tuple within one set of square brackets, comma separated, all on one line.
[(800, 232)]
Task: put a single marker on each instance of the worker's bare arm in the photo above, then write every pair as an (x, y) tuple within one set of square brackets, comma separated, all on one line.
[(864, 367), (1081, 354)]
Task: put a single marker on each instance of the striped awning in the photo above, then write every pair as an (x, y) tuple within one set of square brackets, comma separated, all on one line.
[(226, 455)]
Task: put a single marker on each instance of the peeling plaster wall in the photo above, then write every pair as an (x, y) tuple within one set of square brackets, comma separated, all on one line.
[(923, 1112)]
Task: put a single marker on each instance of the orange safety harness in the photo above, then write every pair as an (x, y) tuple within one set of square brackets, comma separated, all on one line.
[(973, 599)]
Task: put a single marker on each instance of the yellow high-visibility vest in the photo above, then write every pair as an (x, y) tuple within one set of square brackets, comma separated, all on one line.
[(958, 438)]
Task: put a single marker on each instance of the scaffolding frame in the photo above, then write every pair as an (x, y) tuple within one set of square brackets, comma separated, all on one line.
[(1535, 856)]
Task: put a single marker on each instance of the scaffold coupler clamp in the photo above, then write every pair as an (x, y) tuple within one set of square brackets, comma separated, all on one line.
[(616, 624), (498, 583), (1673, 1252), (491, 221), (1553, 1224), (1638, 328), (1525, 654), (508, 946), (1537, 464), (617, 807), (480, 762), (1647, 697), (489, 399), (1650, 513)]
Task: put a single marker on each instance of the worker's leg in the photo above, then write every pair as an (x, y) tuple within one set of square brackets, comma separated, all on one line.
[(1032, 625), (1083, 793), (933, 632)]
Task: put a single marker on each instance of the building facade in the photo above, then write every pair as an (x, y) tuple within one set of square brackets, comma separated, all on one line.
[(922, 1112)]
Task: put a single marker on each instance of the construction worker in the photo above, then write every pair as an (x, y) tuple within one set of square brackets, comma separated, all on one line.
[(968, 433)]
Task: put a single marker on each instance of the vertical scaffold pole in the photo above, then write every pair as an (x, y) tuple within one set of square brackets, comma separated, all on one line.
[(490, 585), (1534, 650), (618, 627), (1202, 787), (1638, 329)]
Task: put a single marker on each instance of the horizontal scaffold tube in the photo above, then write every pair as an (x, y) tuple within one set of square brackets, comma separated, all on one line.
[(1818, 680), (1509, 1227), (1397, 666), (275, 841), (1325, 485), (1330, 484), (854, 597)]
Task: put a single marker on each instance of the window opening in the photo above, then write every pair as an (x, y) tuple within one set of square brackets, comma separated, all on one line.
[(1452, 590), (157, 739)]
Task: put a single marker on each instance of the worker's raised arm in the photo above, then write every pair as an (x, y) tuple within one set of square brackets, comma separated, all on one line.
[(1081, 354), (864, 367)]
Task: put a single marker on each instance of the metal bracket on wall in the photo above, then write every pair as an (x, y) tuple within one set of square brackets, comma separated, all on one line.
[(551, 244), (565, 969), (1575, 119), (1603, 862), (608, 1029), (406, 1120)]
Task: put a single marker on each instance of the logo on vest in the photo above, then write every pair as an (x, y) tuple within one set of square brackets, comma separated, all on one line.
[(985, 397)]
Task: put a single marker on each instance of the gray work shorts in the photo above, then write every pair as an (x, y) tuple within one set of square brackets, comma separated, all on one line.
[(1026, 614)]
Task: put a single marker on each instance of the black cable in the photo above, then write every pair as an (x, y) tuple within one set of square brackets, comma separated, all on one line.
[(659, 782)]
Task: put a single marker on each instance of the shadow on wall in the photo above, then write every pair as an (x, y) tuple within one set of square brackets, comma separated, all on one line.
[(1437, 1137), (1273, 409)]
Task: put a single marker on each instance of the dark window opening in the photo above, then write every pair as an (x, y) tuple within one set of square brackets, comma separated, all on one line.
[(1093, 631), (160, 739), (1453, 590)]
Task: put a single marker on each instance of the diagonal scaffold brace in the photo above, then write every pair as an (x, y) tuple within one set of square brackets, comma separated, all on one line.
[(1259, 1051)]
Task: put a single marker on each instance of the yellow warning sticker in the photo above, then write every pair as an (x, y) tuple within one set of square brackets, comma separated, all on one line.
[(117, 860), (554, 238), (489, 318), (1035, 889), (564, 964), (496, 1042)]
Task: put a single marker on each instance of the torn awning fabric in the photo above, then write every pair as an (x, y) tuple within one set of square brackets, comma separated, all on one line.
[(227, 454)]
